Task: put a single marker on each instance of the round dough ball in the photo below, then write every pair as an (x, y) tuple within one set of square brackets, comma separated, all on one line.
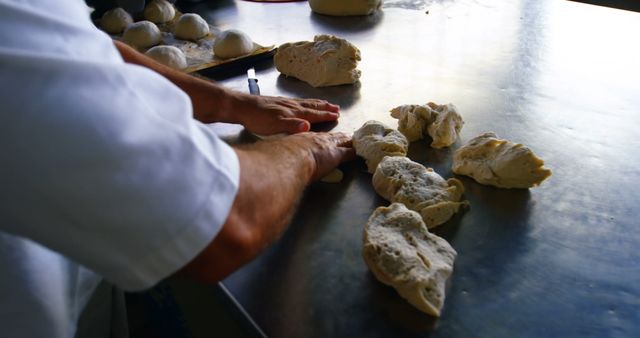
[(231, 44), (159, 11), (345, 7), (191, 27), (142, 34), (169, 56), (115, 21)]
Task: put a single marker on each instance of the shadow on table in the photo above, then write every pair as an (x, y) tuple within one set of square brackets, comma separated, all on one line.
[(348, 23), (343, 95)]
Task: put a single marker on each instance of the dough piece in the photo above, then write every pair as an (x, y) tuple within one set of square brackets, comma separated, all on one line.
[(169, 56), (399, 179), (374, 140), (441, 122), (191, 26), (142, 34), (325, 61), (231, 44), (115, 21), (335, 176), (501, 163), (402, 253), (159, 11), (345, 7)]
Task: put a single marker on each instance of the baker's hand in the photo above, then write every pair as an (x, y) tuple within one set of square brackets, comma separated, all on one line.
[(326, 150), (267, 115)]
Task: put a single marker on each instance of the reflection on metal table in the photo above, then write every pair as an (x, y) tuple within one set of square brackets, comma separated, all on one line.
[(558, 260)]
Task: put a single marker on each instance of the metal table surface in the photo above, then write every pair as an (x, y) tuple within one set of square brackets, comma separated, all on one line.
[(559, 260)]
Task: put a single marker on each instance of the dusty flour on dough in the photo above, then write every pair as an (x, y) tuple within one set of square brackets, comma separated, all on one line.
[(325, 61), (374, 140), (399, 179), (400, 251), (501, 163)]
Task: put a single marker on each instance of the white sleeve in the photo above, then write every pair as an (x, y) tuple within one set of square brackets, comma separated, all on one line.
[(101, 160)]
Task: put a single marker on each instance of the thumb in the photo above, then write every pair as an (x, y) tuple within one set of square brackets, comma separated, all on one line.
[(296, 125)]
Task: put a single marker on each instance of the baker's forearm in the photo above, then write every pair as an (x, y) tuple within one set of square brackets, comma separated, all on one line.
[(210, 101), (273, 176), (272, 179)]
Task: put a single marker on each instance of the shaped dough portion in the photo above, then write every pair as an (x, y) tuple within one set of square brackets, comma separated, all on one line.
[(374, 140), (169, 56), (191, 26), (399, 179), (232, 43), (159, 11), (442, 122), (401, 252), (115, 21), (142, 34), (325, 61), (501, 163), (345, 7)]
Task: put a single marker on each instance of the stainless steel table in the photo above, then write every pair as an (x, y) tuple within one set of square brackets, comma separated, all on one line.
[(560, 260)]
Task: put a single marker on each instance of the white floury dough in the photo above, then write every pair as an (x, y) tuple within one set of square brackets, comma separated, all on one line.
[(401, 252), (169, 56), (325, 61), (115, 21), (231, 44), (345, 7), (500, 163), (159, 11), (399, 179), (191, 26), (374, 140), (142, 34), (442, 122)]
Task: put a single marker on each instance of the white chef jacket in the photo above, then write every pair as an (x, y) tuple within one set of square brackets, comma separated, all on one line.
[(103, 171)]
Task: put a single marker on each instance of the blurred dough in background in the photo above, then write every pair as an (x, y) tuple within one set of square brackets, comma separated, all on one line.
[(169, 56), (115, 21), (142, 34), (191, 26), (345, 7), (232, 43), (159, 11)]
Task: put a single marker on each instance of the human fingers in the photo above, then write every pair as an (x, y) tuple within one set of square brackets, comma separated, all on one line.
[(294, 125), (319, 105)]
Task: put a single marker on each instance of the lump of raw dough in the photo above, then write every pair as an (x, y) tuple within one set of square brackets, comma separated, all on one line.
[(115, 21), (401, 252), (232, 43), (334, 176), (169, 56), (191, 26), (374, 140), (345, 7), (142, 34), (441, 122), (501, 163), (399, 179), (325, 61), (159, 11)]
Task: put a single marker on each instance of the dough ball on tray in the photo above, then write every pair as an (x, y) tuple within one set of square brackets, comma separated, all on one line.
[(191, 26), (115, 21)]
